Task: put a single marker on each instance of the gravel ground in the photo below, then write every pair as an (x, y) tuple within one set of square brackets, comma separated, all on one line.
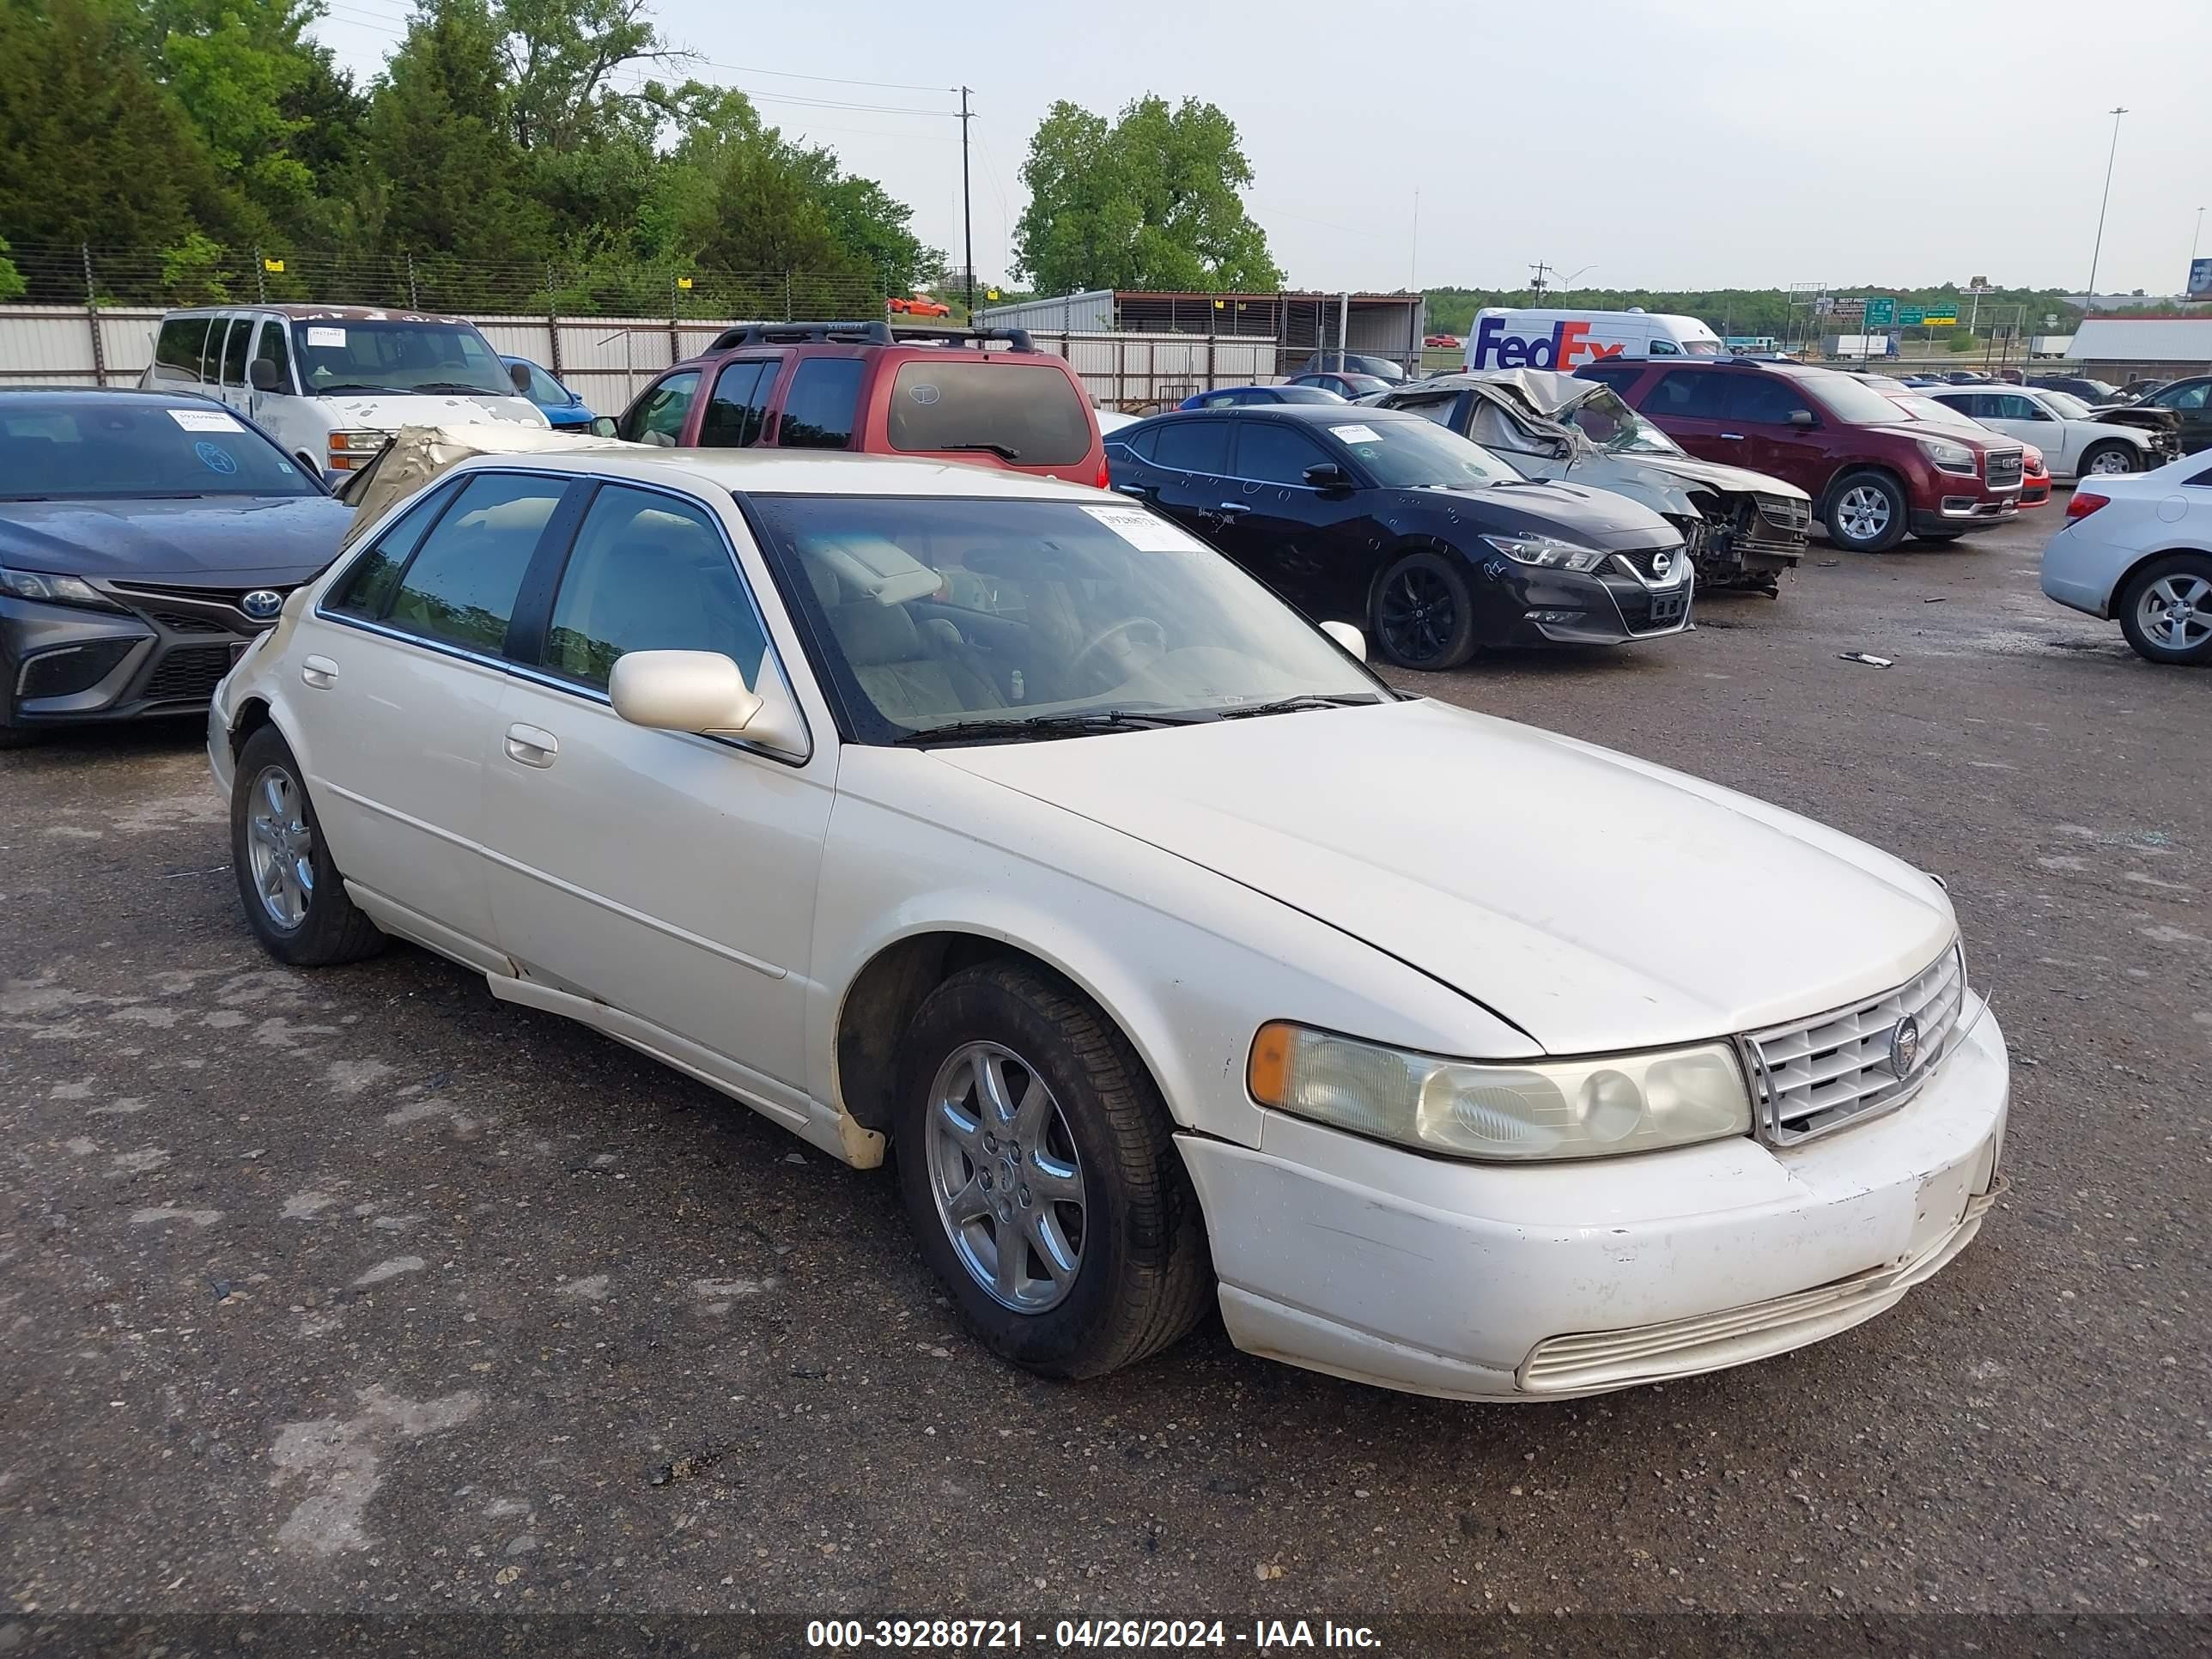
[(359, 1291)]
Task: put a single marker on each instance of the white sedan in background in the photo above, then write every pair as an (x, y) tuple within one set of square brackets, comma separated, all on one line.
[(1002, 825), (2074, 443), (2140, 549)]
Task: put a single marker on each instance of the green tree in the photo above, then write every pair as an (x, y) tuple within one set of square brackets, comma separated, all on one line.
[(93, 150), (872, 226), (12, 285), (1150, 200), (734, 195)]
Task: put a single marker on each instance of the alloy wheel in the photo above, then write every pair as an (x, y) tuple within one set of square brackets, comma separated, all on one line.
[(1003, 1171), (2106, 462), (1417, 615), (1863, 512), (280, 848), (2175, 611)]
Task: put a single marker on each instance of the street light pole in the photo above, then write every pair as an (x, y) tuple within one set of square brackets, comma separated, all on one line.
[(2196, 236), (2096, 252)]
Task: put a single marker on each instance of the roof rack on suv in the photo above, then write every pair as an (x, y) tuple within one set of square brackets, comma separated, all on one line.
[(864, 333)]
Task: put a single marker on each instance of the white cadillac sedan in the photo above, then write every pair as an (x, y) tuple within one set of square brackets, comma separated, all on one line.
[(1000, 824)]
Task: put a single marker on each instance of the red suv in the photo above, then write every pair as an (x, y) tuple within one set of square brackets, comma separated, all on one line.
[(938, 392), (1874, 475)]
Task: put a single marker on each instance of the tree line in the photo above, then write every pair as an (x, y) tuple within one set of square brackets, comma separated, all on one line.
[(1771, 312), (500, 137)]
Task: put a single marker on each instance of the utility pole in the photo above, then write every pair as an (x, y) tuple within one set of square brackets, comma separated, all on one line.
[(2194, 238), (2096, 252), (966, 207), (1541, 270)]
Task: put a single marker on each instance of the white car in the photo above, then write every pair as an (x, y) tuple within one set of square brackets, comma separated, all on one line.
[(2140, 549), (999, 824), (2074, 443)]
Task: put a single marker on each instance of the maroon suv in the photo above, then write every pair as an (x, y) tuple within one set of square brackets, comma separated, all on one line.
[(1874, 478), (940, 393)]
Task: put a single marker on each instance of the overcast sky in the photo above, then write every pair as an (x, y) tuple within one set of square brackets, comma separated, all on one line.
[(1659, 143)]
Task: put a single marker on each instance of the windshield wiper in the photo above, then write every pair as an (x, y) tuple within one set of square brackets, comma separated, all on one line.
[(350, 385), (467, 391), (1047, 726), (1003, 451), (1304, 700)]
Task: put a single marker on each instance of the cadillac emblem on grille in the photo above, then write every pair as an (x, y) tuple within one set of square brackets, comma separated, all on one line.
[(261, 603), (1903, 1047)]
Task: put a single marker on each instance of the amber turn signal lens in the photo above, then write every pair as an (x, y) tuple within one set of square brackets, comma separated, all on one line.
[(1268, 1074)]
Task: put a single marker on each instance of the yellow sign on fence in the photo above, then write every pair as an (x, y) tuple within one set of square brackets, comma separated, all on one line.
[(277, 265)]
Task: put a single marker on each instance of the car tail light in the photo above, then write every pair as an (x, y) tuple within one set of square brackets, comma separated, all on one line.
[(2084, 504), (1105, 476)]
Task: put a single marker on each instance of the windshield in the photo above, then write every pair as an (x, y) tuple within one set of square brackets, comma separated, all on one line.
[(1849, 402), (2066, 406), (1612, 426), (935, 614), (390, 354), (103, 448), (1410, 452)]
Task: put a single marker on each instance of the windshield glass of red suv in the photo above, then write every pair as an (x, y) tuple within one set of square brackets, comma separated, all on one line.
[(1849, 402), (1024, 412)]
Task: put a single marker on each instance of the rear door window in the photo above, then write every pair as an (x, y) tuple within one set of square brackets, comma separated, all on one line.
[(180, 347), (1688, 394), (819, 411), (1193, 447), (964, 403), (460, 586), (737, 408)]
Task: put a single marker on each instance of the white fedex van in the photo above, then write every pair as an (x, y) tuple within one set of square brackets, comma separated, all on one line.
[(1566, 340), (333, 383)]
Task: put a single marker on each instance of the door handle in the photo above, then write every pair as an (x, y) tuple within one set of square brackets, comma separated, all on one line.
[(1733, 437), (320, 672), (531, 745), (1142, 492), (1231, 510)]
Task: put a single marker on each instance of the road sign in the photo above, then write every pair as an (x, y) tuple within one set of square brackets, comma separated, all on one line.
[(1942, 320), (1881, 314), (1911, 317), (2200, 279), (1852, 306)]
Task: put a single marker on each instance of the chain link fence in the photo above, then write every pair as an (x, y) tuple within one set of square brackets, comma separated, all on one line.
[(203, 273)]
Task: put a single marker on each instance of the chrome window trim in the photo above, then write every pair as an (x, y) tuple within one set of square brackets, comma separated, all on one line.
[(553, 681)]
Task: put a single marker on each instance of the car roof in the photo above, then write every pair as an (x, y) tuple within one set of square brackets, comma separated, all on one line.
[(787, 473), (319, 313), (1314, 414)]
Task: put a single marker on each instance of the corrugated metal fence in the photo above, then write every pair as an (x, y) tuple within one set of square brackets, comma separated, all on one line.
[(1140, 372)]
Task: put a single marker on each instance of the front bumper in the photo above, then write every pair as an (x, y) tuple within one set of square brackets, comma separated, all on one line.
[(1518, 604), (162, 655), (1486, 1282), (1964, 506)]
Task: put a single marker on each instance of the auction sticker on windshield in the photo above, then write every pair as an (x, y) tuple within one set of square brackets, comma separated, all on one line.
[(1358, 435), (1144, 533), (325, 337), (205, 420)]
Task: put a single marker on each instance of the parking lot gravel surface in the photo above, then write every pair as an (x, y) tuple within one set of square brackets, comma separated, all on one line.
[(359, 1291)]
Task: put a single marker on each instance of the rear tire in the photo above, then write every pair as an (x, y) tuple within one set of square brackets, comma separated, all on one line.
[(1067, 1153), (294, 899), (1866, 512), (1421, 615), (2166, 611)]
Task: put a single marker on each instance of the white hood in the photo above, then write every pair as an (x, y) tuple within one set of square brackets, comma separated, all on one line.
[(389, 411), (1595, 901)]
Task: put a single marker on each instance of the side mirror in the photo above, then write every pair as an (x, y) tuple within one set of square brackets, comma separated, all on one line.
[(704, 692), (1347, 636), (519, 377), (1800, 418), (603, 426), (1328, 476), (261, 375)]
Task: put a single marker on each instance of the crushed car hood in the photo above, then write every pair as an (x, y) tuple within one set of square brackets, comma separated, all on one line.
[(275, 538), (1660, 471), (389, 411), (1595, 901)]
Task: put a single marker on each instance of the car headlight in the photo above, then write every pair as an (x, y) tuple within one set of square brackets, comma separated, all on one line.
[(55, 590), (1548, 550), (1951, 458), (356, 448), (1524, 1111)]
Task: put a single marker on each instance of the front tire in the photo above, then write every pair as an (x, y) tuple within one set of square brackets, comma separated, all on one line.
[(2167, 610), (1038, 1169), (2109, 461), (294, 899), (1421, 615), (1866, 512)]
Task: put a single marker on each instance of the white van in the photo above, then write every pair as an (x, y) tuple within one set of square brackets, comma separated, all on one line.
[(333, 383), (1566, 340)]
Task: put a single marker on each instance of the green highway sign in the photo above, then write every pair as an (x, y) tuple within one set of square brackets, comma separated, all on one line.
[(1881, 314), (1911, 317)]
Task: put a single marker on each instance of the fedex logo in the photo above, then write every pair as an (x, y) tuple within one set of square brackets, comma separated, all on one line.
[(1495, 349)]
